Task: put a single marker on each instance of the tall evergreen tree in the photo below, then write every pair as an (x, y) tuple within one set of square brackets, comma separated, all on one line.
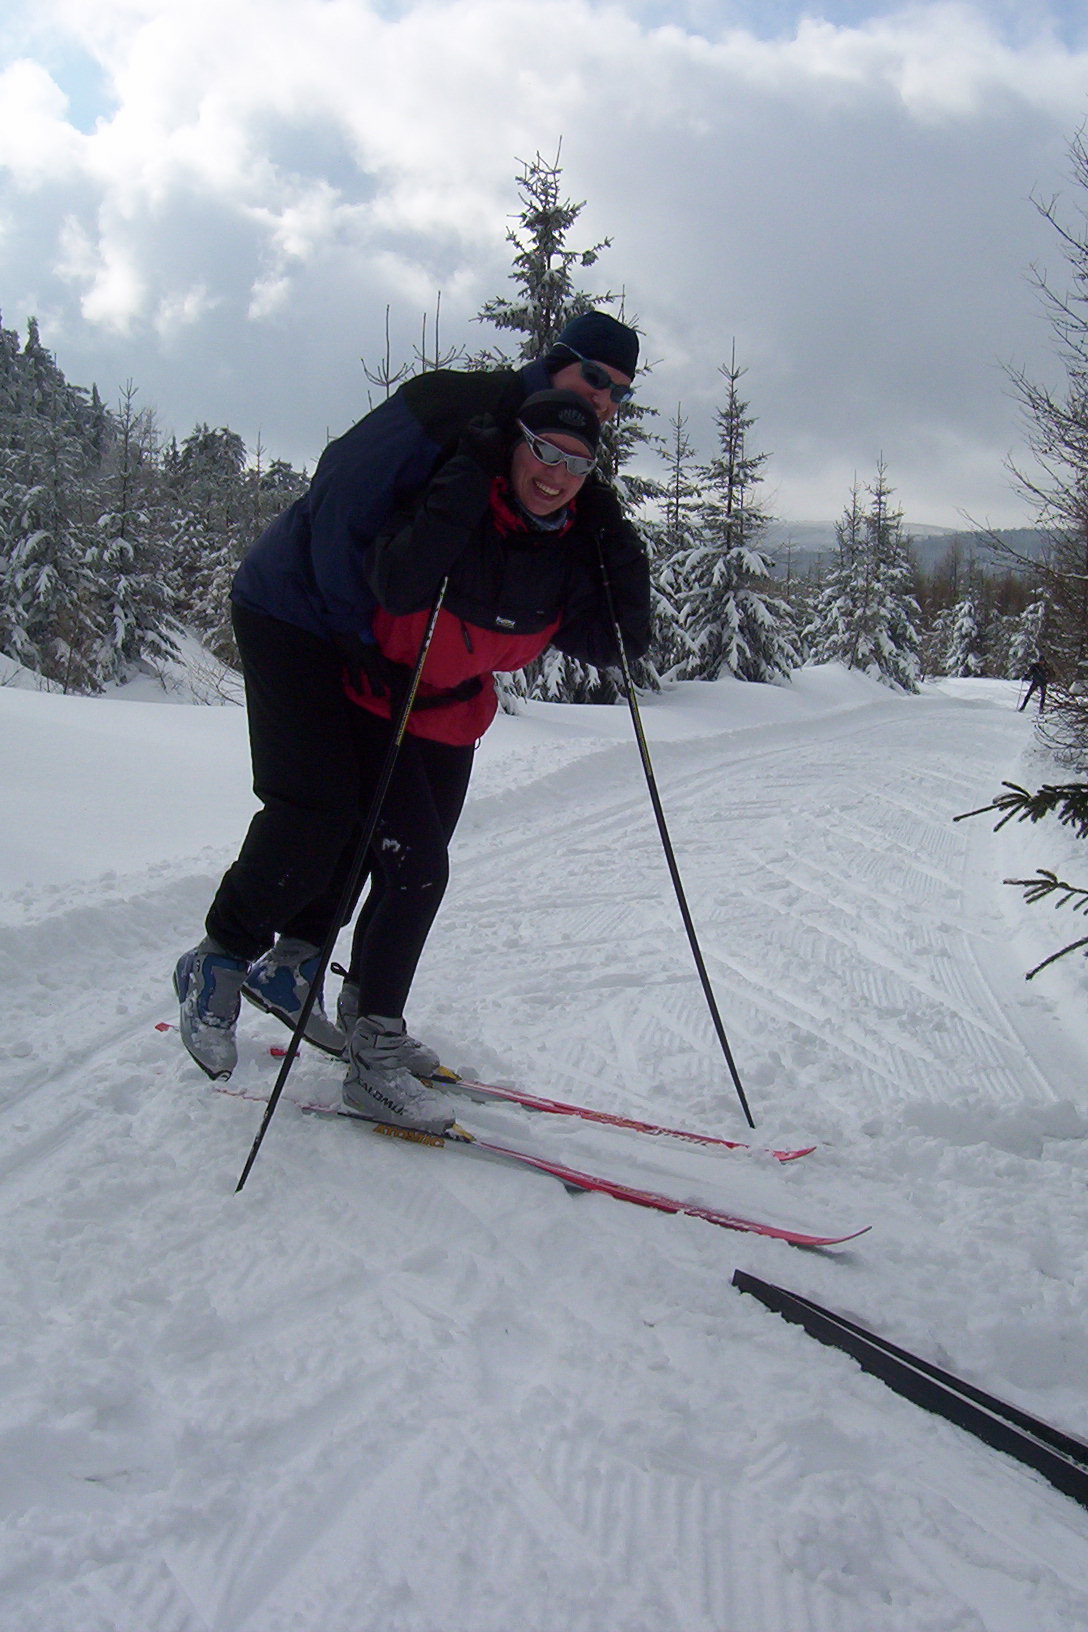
[(546, 297), (867, 617), (963, 654), (209, 530), (839, 629), (544, 269), (135, 621), (734, 620), (897, 632), (47, 586), (671, 539)]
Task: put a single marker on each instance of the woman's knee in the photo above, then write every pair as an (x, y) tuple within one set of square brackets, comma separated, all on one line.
[(412, 868)]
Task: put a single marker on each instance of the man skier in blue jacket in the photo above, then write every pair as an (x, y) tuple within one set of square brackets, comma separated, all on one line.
[(302, 613)]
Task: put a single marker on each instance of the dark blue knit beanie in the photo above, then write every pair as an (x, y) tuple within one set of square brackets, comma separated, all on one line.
[(601, 338), (548, 411)]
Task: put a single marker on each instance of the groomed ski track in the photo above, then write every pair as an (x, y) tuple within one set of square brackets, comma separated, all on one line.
[(376, 1394)]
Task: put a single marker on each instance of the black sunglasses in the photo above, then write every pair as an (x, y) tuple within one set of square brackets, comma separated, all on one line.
[(548, 454), (599, 378)]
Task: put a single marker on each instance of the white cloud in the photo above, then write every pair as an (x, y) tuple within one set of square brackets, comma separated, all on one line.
[(36, 142), (939, 60), (113, 290), (849, 201)]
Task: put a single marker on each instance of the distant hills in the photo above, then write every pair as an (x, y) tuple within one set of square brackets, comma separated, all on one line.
[(797, 546)]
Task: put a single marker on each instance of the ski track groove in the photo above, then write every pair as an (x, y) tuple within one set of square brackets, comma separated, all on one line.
[(889, 868)]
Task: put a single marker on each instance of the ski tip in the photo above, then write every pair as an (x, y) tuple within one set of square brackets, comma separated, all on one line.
[(836, 1240)]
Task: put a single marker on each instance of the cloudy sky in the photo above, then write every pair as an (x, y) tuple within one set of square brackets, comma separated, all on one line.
[(218, 199)]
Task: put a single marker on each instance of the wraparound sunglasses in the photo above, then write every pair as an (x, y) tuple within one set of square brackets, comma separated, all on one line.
[(578, 464), (598, 377)]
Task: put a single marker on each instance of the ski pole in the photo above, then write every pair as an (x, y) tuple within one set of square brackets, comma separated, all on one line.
[(350, 886), (670, 857)]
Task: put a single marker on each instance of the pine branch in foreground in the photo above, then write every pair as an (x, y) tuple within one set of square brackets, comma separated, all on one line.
[(1040, 888), (1067, 800)]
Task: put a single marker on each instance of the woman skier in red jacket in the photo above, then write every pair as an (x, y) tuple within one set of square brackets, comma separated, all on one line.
[(516, 524)]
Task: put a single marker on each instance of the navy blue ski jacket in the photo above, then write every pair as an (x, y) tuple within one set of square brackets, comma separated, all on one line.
[(307, 567)]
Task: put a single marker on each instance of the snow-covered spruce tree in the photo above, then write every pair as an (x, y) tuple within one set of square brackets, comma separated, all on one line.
[(899, 617), (12, 495), (544, 268), (867, 617), (933, 642), (734, 622), (127, 557), (963, 652), (47, 613), (209, 530), (670, 539), (841, 616), (1027, 638)]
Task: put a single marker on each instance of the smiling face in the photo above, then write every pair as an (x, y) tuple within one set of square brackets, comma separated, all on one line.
[(541, 488)]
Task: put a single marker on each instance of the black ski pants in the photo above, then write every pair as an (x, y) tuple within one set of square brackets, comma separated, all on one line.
[(409, 860), (317, 759)]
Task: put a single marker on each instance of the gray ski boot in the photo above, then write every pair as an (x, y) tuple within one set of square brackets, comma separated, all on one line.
[(380, 1086), (279, 983), (413, 1055), (207, 981), (347, 1004)]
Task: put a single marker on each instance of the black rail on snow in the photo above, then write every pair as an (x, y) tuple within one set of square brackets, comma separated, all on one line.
[(1060, 1458)]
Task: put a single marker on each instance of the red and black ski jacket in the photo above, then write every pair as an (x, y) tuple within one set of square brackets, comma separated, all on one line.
[(513, 590)]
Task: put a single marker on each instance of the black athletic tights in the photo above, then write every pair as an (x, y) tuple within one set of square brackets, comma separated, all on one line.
[(317, 759)]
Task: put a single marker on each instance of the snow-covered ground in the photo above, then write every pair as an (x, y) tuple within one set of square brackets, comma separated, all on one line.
[(387, 1389)]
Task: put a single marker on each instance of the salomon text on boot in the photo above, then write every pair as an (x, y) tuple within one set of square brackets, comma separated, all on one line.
[(380, 1086)]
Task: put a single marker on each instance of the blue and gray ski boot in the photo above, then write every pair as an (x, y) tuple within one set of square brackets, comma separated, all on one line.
[(208, 981), (279, 983)]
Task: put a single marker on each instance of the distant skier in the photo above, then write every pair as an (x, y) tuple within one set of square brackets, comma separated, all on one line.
[(1038, 675)]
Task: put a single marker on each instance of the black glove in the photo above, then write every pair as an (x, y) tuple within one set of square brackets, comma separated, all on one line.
[(486, 445), (366, 666), (598, 510)]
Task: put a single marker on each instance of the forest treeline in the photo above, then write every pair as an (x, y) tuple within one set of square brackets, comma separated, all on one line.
[(113, 538)]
